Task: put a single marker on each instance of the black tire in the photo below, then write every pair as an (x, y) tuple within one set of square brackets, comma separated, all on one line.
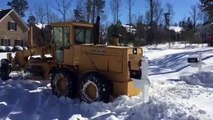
[(69, 81), (51, 73), (102, 88), (5, 69)]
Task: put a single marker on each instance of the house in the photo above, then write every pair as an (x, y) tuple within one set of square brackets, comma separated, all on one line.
[(175, 32), (130, 28), (205, 32), (176, 29), (13, 30)]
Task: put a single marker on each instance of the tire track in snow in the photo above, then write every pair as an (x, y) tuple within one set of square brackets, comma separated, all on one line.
[(172, 60)]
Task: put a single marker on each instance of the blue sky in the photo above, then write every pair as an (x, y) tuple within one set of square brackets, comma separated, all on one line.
[(181, 7)]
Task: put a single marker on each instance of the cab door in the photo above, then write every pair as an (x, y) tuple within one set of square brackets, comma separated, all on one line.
[(82, 35), (62, 41)]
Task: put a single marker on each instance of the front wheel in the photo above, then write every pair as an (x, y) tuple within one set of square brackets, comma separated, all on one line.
[(94, 87), (64, 83)]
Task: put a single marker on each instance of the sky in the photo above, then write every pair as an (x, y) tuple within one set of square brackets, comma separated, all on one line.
[(181, 8)]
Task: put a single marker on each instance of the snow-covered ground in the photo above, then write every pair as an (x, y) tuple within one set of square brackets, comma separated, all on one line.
[(177, 92)]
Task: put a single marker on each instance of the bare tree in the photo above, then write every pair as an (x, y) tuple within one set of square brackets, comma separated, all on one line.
[(134, 19), (51, 16), (151, 3), (94, 8), (147, 18), (154, 15), (40, 13), (169, 9), (63, 6), (115, 9), (155, 11), (140, 18), (47, 6), (130, 4), (194, 15), (149, 21), (88, 6)]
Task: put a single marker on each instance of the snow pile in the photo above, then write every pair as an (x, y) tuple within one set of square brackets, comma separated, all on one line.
[(9, 48), (18, 48), (3, 48), (25, 48), (22, 99), (179, 96), (203, 79), (174, 95)]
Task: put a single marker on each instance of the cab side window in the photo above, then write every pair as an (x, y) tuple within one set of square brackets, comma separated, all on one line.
[(83, 35)]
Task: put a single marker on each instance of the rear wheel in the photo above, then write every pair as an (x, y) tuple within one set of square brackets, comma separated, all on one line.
[(94, 87), (64, 83)]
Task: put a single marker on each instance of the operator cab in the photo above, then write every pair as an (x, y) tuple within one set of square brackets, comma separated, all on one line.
[(68, 37)]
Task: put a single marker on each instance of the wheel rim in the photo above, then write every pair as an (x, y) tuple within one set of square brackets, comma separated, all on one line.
[(61, 84), (90, 91)]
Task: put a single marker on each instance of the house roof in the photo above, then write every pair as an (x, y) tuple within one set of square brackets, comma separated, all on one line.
[(4, 13)]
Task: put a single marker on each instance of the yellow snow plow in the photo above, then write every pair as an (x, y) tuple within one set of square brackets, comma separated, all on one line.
[(78, 66)]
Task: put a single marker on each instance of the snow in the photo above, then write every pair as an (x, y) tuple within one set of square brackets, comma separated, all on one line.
[(18, 48), (3, 48), (39, 56), (176, 29), (177, 92), (40, 25), (10, 48)]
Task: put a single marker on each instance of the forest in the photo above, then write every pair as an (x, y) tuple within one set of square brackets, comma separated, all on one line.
[(152, 27)]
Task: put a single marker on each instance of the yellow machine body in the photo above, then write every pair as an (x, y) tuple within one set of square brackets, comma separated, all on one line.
[(74, 50), (114, 63)]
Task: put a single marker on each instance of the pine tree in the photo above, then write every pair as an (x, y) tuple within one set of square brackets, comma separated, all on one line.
[(100, 4), (207, 6), (20, 6), (78, 11)]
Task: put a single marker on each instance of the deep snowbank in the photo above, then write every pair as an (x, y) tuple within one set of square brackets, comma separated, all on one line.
[(174, 95), (203, 79), (33, 100)]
